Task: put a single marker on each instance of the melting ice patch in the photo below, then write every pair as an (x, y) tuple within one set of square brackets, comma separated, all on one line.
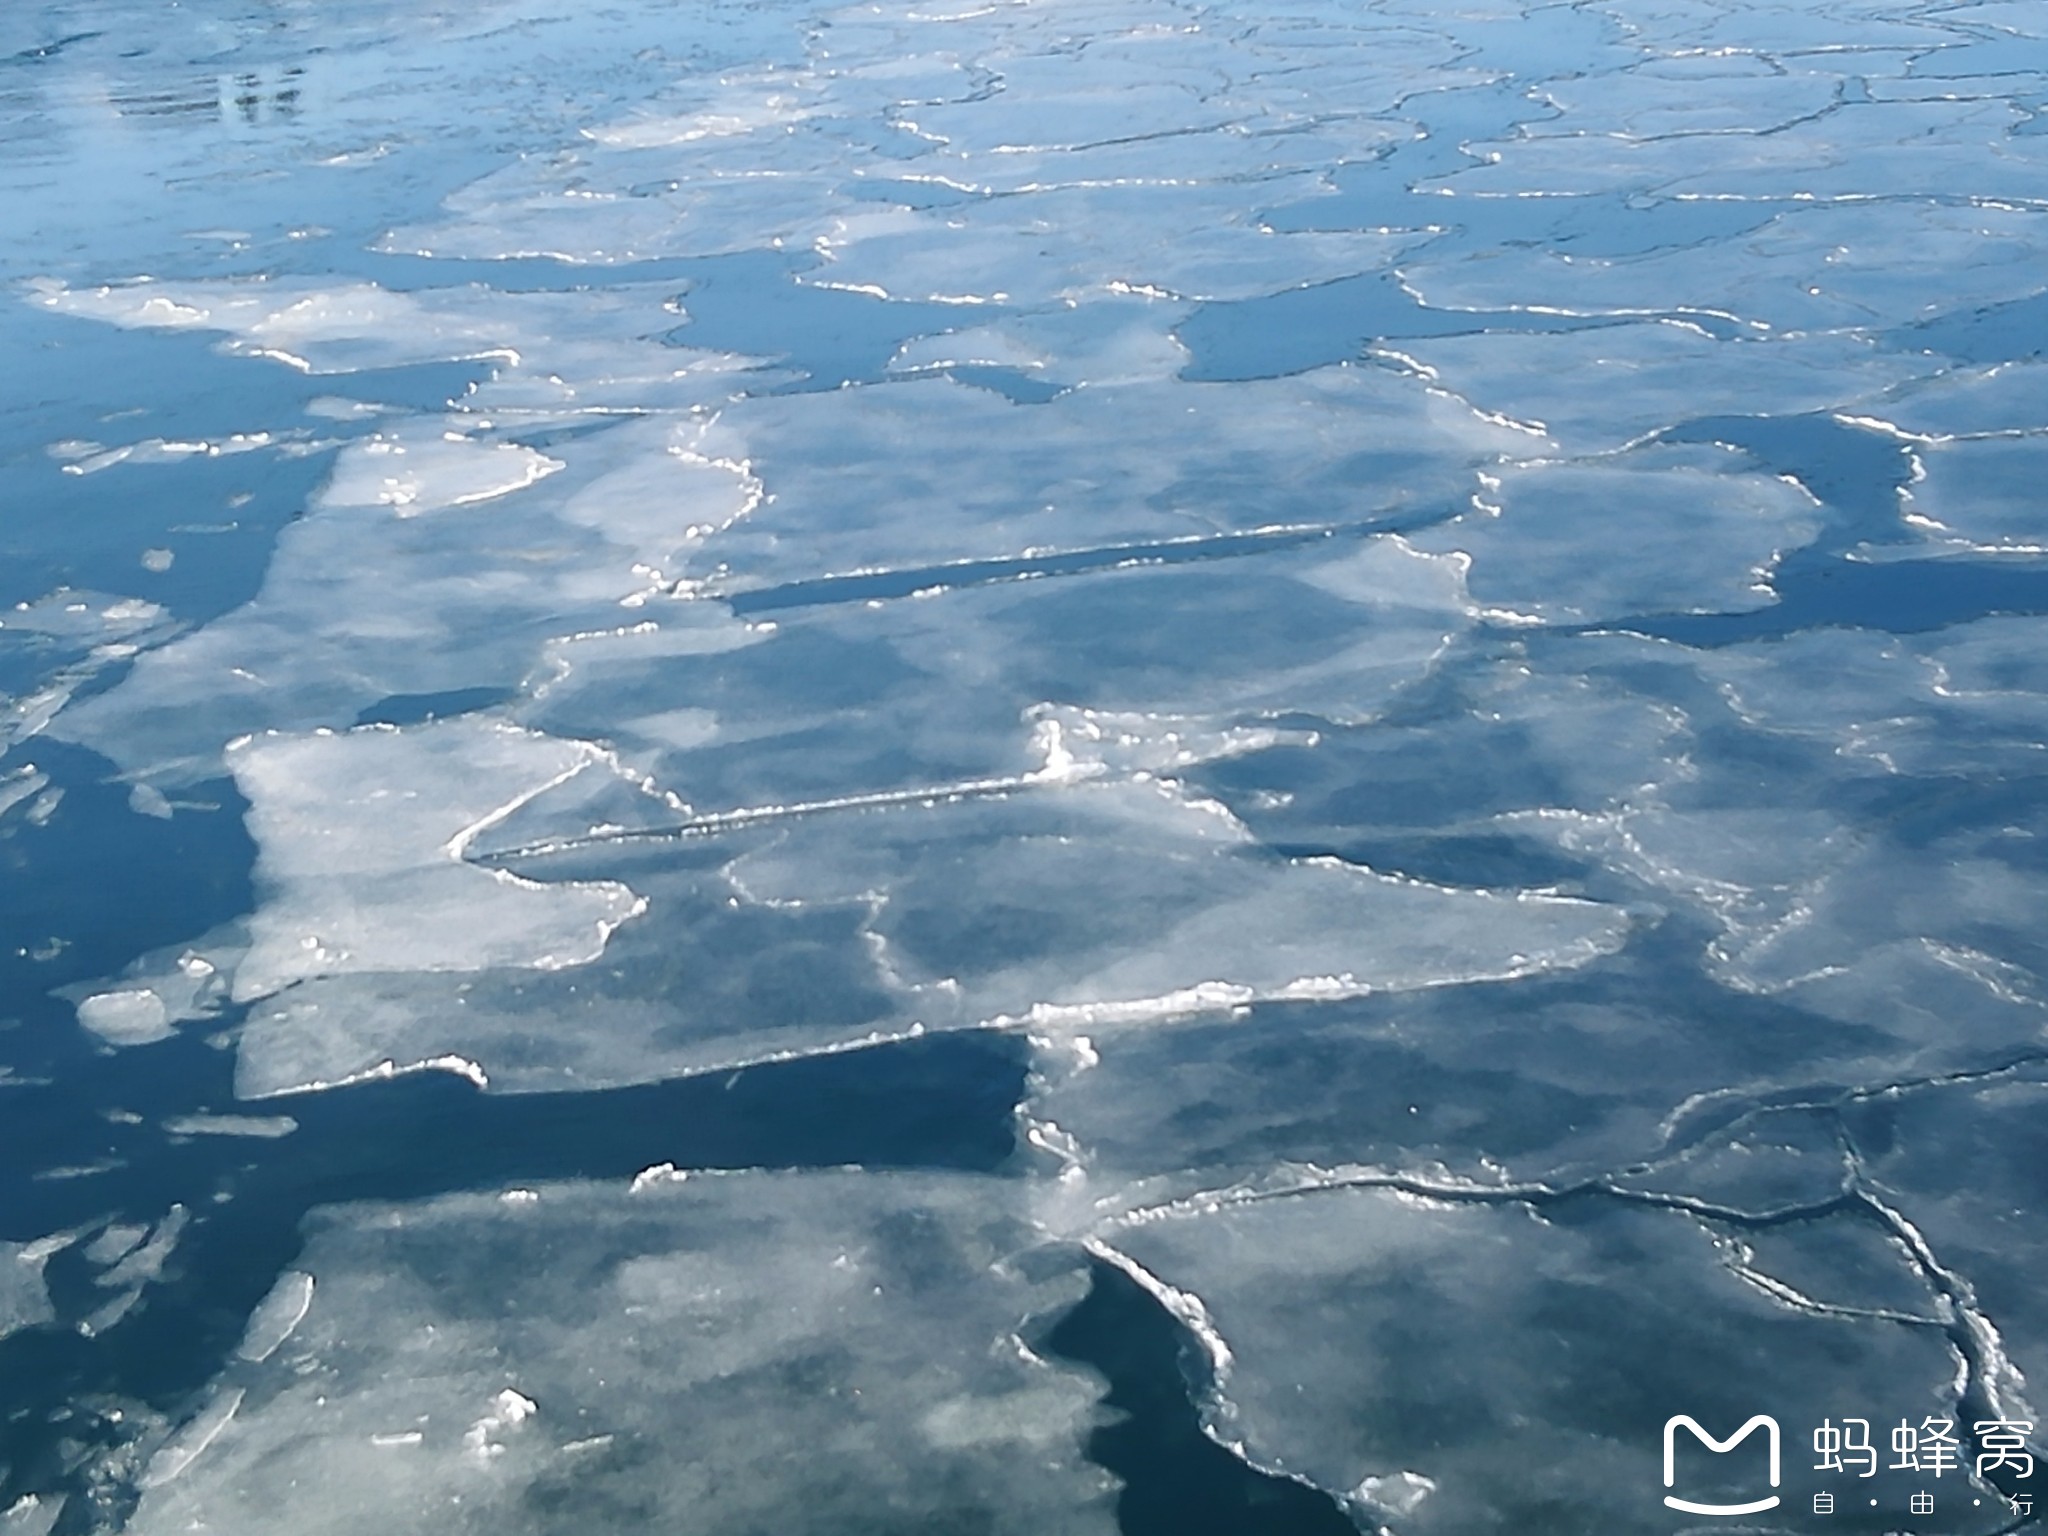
[(131, 1016), (24, 1295), (80, 634), (424, 473)]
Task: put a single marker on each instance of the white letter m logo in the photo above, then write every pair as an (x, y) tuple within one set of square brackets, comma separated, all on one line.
[(1671, 1425)]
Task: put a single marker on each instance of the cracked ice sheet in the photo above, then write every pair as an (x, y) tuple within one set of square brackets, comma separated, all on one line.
[(804, 1353), (1827, 893), (1878, 31), (1452, 1367), (359, 856), (1006, 648), (1552, 1080), (1968, 699), (1244, 158), (506, 214), (1182, 909), (1651, 531), (1924, 149), (1561, 1077), (767, 159), (365, 602), (1809, 268), (852, 699), (1807, 951), (1963, 1161), (1046, 246), (929, 471), (1061, 904), (716, 972), (772, 149), (1144, 81), (1645, 102)]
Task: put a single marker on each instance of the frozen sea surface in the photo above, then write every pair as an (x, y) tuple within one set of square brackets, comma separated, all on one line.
[(1054, 765)]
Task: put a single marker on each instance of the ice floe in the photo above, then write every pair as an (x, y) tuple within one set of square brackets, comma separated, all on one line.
[(24, 1296), (1440, 1363), (361, 839), (796, 1351), (1293, 563)]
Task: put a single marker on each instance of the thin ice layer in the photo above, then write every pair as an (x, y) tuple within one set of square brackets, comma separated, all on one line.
[(928, 472), (1595, 391), (360, 841), (1807, 266), (1463, 1365), (1657, 531), (364, 603), (1824, 906), (1985, 491), (1554, 1081), (856, 693), (822, 1352), (1130, 898), (24, 1296), (1053, 899)]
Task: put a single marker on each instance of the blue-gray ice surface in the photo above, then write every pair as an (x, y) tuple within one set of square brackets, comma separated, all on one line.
[(748, 1351), (1437, 607)]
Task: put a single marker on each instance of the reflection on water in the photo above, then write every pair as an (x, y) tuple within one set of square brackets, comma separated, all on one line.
[(249, 98)]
